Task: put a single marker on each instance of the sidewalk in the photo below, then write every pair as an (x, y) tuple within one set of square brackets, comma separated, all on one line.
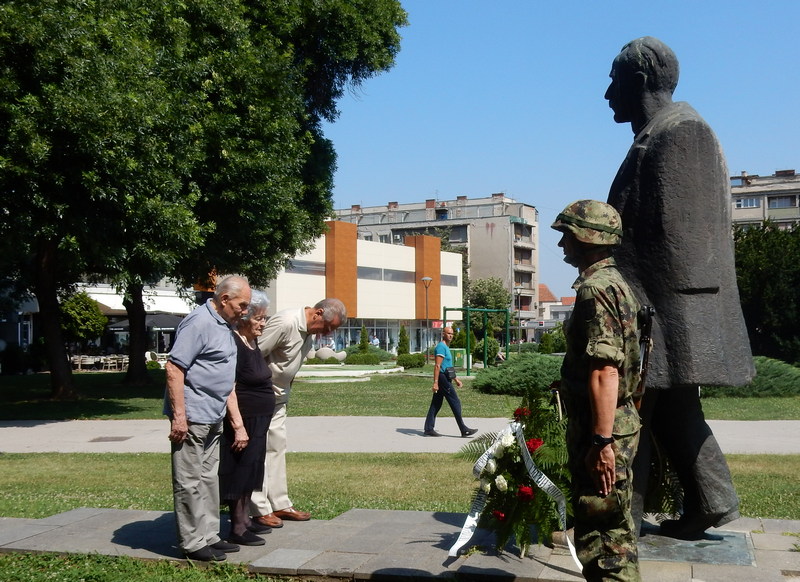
[(391, 545)]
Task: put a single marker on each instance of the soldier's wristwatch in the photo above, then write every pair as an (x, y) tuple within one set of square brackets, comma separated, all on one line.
[(601, 441)]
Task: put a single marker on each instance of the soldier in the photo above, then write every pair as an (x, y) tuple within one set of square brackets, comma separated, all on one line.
[(598, 378)]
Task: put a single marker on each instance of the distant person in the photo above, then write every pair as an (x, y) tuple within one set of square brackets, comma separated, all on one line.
[(598, 377), (201, 371), (244, 435), (444, 376), (285, 343), (673, 194)]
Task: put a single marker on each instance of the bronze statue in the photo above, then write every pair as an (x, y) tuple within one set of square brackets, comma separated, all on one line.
[(673, 194)]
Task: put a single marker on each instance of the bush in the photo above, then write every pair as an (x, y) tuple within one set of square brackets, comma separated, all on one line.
[(383, 355), (318, 361), (527, 372), (402, 341), (363, 359), (527, 348), (411, 360), (493, 346), (773, 378)]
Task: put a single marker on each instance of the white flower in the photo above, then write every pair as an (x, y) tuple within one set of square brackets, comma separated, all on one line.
[(507, 440), (501, 483), (499, 452), (491, 466), (486, 485)]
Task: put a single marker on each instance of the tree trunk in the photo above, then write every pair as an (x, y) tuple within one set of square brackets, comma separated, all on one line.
[(46, 291), (137, 366)]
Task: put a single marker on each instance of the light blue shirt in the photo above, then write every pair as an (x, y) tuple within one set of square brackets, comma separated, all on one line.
[(443, 350), (205, 349)]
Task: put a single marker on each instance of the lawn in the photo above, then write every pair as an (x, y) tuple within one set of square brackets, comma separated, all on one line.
[(105, 397)]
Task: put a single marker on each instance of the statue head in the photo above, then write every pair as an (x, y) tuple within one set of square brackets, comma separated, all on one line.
[(645, 67)]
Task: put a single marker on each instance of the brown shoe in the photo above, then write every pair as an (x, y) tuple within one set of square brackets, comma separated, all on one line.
[(292, 514), (270, 520)]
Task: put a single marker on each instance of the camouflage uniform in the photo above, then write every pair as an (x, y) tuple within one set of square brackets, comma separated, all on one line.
[(602, 327)]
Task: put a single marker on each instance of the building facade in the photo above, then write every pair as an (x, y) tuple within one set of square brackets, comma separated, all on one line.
[(383, 286), (499, 235), (758, 198)]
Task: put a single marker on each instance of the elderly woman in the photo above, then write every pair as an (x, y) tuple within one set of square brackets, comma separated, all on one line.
[(250, 408)]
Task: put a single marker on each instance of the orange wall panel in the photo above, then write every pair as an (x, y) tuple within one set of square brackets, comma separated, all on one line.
[(341, 266)]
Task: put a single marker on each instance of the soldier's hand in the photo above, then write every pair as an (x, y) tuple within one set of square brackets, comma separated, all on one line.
[(600, 464)]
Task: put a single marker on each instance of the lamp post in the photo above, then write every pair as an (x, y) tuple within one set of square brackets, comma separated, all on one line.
[(517, 292), (426, 281)]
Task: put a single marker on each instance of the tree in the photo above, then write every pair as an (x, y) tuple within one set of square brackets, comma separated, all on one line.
[(768, 275), (488, 294), (363, 341), (178, 139), (402, 341), (81, 318)]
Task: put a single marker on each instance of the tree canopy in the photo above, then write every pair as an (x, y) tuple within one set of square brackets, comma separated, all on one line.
[(81, 318), (489, 293), (768, 275), (173, 139)]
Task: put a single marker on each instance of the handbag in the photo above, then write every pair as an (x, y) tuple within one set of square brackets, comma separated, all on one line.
[(450, 373)]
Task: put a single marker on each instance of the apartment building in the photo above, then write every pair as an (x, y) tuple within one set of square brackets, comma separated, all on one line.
[(758, 198), (500, 236)]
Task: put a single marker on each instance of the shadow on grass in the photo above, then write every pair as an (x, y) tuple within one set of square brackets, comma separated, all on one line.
[(101, 394)]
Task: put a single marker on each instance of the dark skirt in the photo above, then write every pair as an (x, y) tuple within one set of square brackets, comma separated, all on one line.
[(242, 472)]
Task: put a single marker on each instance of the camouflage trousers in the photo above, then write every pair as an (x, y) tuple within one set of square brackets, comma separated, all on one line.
[(604, 536)]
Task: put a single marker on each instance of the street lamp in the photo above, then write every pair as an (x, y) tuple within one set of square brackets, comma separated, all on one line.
[(426, 281)]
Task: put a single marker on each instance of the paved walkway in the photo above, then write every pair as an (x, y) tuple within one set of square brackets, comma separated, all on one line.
[(391, 545)]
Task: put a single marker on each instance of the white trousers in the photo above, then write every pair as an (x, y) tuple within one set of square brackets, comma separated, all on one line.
[(274, 495)]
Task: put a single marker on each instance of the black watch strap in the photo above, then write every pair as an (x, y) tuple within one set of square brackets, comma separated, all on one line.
[(601, 441)]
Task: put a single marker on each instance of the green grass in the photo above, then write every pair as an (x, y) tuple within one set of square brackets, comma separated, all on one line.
[(37, 485), (105, 397)]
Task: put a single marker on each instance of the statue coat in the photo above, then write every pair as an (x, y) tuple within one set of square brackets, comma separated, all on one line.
[(673, 194)]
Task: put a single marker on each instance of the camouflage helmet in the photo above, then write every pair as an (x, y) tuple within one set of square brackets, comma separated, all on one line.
[(592, 222)]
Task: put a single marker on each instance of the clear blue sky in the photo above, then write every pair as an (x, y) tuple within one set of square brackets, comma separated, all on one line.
[(507, 96)]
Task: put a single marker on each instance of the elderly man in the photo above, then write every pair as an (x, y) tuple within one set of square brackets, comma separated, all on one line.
[(673, 194), (285, 343), (200, 376)]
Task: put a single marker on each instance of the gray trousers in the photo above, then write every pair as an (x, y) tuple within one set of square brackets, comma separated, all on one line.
[(195, 486)]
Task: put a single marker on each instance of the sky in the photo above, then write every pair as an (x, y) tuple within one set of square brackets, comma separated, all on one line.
[(507, 96)]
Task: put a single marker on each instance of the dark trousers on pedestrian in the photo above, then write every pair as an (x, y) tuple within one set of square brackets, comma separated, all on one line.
[(446, 391)]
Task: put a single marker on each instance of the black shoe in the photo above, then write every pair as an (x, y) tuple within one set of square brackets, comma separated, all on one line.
[(225, 547), (257, 528), (248, 538), (688, 527), (431, 433), (207, 554), (469, 432)]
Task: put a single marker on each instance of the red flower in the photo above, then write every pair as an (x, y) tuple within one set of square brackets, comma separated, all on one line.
[(525, 493), (521, 413), (499, 515), (534, 444)]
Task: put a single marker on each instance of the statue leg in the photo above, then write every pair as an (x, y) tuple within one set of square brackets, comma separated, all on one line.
[(641, 462), (709, 496)]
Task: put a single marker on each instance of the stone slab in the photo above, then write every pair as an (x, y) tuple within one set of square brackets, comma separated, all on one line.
[(339, 564), (724, 573), (781, 525), (665, 571), (777, 542), (283, 561), (721, 547), (560, 568)]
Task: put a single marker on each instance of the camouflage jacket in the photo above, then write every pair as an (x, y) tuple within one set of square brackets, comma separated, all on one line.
[(602, 326)]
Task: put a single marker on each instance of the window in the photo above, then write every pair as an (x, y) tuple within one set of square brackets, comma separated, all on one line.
[(306, 268), (384, 238), (782, 202), (449, 280), (398, 276), (373, 273), (748, 203), (441, 214), (367, 237)]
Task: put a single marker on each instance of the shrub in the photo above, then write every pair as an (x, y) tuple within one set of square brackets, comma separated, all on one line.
[(402, 341), (363, 341), (319, 361), (493, 346), (383, 355), (363, 359), (773, 378), (528, 348), (527, 372), (546, 344), (411, 360)]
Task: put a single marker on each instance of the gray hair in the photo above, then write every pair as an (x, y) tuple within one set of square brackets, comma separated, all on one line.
[(232, 286), (656, 60), (332, 308), (259, 302)]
